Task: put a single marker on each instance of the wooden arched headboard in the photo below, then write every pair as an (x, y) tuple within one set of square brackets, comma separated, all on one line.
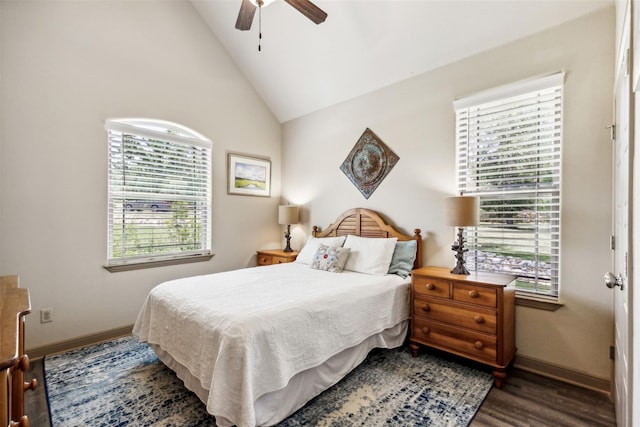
[(367, 223)]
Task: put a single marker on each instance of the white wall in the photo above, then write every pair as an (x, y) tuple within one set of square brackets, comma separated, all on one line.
[(66, 67), (415, 119)]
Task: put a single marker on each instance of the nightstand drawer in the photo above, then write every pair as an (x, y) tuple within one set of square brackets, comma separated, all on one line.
[(476, 319), (466, 343), (475, 294), (275, 256), (264, 259), (431, 287)]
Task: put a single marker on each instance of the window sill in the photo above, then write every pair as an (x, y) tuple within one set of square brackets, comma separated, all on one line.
[(161, 263), (538, 303)]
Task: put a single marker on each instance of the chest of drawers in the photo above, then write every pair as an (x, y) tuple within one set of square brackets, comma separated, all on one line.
[(15, 304), (472, 316)]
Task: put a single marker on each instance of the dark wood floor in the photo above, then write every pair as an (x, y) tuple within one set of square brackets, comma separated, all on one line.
[(35, 402), (525, 400), (532, 400)]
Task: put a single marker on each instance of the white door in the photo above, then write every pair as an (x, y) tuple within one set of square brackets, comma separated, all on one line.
[(621, 280)]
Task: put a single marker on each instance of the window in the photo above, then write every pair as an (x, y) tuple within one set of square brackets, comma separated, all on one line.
[(508, 151), (159, 194)]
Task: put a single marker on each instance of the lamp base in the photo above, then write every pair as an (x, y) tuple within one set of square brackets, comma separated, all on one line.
[(459, 248), (287, 235), (460, 269)]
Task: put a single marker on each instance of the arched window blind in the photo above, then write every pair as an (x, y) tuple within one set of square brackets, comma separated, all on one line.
[(159, 194), (508, 150)]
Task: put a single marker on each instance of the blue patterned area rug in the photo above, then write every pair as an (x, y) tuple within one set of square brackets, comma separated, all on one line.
[(122, 383)]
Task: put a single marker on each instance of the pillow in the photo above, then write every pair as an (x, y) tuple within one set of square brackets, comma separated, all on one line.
[(330, 258), (404, 255), (313, 243), (369, 255)]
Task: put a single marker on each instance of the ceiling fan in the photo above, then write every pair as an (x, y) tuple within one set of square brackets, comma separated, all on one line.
[(248, 9)]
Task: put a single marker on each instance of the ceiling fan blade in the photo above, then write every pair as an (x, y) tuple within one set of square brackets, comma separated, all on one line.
[(309, 10), (245, 16)]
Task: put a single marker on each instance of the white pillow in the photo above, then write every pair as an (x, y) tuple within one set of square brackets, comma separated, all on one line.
[(313, 243), (369, 255)]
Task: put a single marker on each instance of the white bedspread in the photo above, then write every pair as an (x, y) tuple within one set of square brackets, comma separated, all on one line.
[(245, 333)]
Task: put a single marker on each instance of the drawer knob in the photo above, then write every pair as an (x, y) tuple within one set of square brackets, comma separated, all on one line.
[(426, 307), (473, 294), (22, 365), (425, 330), (478, 345), (479, 320), (431, 286), (31, 385), (24, 422)]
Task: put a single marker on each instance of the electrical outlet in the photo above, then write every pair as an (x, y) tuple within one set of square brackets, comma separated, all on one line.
[(46, 315)]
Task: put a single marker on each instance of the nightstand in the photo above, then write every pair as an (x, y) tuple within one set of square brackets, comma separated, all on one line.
[(472, 316), (275, 256)]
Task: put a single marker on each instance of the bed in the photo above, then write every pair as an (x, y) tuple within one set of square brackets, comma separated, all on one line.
[(256, 344)]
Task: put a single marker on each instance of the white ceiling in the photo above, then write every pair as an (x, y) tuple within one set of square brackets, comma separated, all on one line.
[(365, 45)]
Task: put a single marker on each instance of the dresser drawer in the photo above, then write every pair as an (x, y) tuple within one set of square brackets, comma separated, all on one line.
[(472, 294), (279, 260), (463, 342), (432, 287), (476, 319)]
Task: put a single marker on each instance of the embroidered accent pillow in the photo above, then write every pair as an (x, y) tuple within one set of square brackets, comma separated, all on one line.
[(313, 243), (330, 258)]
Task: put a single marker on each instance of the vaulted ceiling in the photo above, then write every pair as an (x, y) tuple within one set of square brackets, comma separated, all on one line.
[(365, 45)]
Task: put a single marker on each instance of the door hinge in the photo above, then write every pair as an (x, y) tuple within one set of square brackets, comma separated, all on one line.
[(627, 62), (612, 130), (626, 265), (612, 352), (612, 242)]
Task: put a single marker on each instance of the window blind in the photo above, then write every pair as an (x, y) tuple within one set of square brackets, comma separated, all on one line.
[(509, 155), (158, 191)]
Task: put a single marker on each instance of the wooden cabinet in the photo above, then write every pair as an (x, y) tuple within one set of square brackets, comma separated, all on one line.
[(275, 256), (14, 305), (469, 315)]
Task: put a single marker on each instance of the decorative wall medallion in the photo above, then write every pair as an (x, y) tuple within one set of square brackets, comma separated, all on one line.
[(368, 163)]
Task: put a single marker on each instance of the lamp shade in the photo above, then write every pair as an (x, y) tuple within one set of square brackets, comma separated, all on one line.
[(462, 211), (288, 214)]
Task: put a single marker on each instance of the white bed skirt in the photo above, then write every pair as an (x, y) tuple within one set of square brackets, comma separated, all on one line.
[(274, 407)]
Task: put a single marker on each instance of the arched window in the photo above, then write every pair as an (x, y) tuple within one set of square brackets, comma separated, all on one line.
[(159, 194)]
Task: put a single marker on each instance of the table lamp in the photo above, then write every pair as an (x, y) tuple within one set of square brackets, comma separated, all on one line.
[(288, 215), (462, 211)]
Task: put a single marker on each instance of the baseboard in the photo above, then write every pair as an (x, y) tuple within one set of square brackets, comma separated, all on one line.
[(562, 374), (59, 347)]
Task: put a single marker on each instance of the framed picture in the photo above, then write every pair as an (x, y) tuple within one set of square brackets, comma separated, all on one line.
[(248, 176)]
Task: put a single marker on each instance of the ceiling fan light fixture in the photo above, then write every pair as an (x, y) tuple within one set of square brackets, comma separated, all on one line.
[(248, 9), (261, 3)]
